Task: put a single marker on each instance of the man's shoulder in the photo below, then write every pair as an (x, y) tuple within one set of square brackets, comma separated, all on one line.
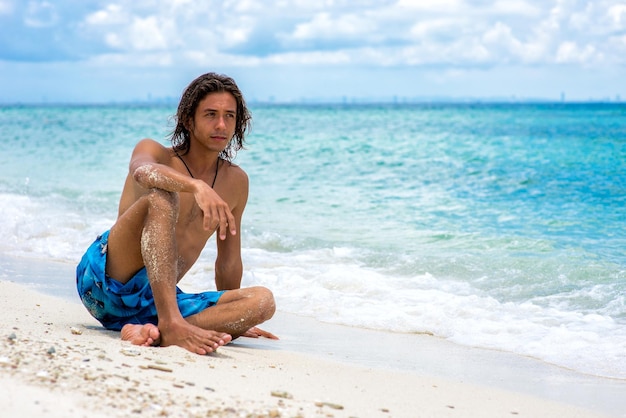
[(235, 172), (151, 143), (232, 167), (149, 146)]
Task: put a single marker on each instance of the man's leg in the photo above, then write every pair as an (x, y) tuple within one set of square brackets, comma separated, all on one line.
[(153, 212), (237, 311), (145, 235)]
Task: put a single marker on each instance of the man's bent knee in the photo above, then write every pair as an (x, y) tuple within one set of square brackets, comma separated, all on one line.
[(267, 304), (259, 301), (162, 201)]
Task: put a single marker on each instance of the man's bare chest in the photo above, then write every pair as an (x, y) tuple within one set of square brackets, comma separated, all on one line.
[(190, 216)]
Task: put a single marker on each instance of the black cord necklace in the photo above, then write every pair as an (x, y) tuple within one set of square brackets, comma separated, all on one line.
[(217, 166)]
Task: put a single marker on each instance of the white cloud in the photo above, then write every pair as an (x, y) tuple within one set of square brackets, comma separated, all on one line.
[(515, 7), (310, 58), (6, 7), (402, 32), (618, 44), (150, 59), (323, 26), (243, 6), (451, 36), (617, 16), (235, 33), (438, 28), (431, 5), (569, 52), (121, 28), (150, 33), (114, 40), (505, 46), (580, 20), (40, 14), (112, 14)]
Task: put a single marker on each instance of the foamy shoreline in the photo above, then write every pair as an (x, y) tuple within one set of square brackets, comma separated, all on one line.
[(56, 360)]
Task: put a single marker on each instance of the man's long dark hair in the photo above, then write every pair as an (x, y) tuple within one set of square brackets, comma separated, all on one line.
[(197, 90)]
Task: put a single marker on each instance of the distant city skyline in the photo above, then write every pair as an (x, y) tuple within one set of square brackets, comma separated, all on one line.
[(301, 51)]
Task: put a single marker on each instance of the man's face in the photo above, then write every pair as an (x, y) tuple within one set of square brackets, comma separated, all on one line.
[(215, 120)]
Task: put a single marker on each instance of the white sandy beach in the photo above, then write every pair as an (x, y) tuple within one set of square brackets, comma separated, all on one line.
[(57, 361)]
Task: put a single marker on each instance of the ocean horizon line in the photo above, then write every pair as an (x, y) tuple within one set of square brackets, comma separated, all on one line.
[(166, 102)]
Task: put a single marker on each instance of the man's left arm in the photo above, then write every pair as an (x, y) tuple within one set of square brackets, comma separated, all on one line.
[(228, 264)]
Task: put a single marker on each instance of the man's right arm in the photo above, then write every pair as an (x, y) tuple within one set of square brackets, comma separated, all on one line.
[(149, 167)]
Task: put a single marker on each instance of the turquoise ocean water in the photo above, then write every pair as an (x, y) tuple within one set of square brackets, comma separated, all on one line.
[(491, 225)]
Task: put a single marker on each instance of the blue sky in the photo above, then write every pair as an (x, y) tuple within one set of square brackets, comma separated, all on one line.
[(294, 50)]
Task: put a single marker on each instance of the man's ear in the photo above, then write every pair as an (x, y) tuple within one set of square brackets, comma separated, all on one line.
[(188, 124)]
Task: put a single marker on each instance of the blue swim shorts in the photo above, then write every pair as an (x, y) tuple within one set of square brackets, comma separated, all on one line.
[(115, 304)]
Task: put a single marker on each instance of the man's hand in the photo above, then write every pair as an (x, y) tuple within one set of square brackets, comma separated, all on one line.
[(217, 214), (255, 332)]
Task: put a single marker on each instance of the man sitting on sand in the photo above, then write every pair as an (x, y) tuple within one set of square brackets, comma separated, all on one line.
[(172, 202)]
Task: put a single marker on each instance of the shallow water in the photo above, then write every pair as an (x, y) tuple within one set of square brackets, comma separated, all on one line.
[(497, 226)]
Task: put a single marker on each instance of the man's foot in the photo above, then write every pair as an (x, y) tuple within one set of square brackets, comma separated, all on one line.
[(255, 332), (192, 338), (146, 334)]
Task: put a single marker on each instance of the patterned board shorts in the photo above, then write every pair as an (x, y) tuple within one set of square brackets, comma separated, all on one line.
[(115, 304)]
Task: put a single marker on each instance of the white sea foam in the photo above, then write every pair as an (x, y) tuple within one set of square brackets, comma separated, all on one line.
[(47, 227), (334, 285), (330, 286)]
